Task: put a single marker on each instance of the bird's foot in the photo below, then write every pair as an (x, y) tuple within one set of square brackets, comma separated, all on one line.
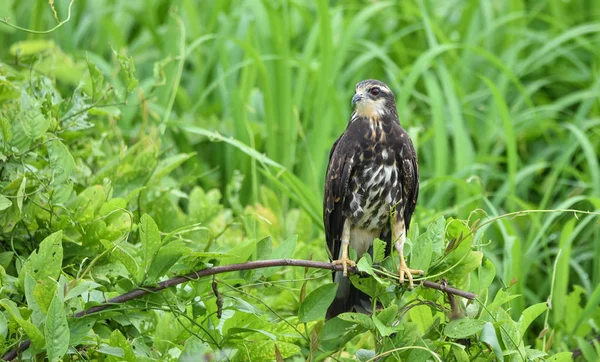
[(404, 270), (345, 261)]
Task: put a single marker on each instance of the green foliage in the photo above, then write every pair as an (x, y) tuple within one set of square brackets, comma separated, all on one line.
[(316, 303), (140, 140), (56, 330)]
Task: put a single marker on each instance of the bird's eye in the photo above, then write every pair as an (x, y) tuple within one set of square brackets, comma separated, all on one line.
[(374, 91)]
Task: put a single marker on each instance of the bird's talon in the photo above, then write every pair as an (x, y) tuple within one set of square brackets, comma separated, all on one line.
[(404, 270), (345, 263)]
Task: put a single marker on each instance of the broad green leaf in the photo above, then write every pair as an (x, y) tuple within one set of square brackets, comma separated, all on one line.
[(590, 307), (509, 333), (3, 327), (118, 341), (34, 334), (365, 265), (574, 311), (76, 118), (388, 315), (336, 332), (535, 354), (420, 355), (316, 303), (96, 78), (462, 328), (384, 330), (204, 205), (18, 138), (56, 330), (458, 245), (358, 318), (46, 262), (181, 231), (421, 254), (150, 238), (264, 248), (489, 337), (62, 192), (5, 258), (459, 353), (378, 250), (264, 351), (167, 257), (434, 236), (245, 307), (79, 288), (193, 350), (44, 292), (87, 203), (284, 251), (61, 162), (166, 333), (469, 262), (239, 330), (36, 316), (127, 72), (112, 351), (561, 357), (421, 315), (365, 355), (529, 315), (34, 123), (5, 128), (483, 277), (167, 165), (5, 203), (368, 285), (241, 253), (21, 194), (501, 298), (122, 255), (80, 331), (29, 47)]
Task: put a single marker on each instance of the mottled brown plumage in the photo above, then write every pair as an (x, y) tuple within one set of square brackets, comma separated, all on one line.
[(372, 171)]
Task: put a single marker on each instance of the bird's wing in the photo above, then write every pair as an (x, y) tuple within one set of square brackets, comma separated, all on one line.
[(410, 179), (336, 185)]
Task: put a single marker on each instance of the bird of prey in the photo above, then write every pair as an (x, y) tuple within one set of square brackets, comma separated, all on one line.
[(371, 189)]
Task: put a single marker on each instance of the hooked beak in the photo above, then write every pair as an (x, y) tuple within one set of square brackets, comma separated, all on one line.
[(357, 98)]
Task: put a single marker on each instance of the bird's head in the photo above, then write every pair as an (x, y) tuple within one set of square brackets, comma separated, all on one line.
[(373, 99)]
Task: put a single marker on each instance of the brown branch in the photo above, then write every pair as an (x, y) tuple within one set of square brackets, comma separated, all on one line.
[(140, 292)]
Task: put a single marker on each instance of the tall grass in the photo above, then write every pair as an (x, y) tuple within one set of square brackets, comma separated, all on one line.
[(500, 97)]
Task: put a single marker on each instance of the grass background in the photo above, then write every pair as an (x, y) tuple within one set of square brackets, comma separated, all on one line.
[(499, 97)]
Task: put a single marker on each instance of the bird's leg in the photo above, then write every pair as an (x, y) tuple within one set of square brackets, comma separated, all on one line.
[(343, 257), (404, 270)]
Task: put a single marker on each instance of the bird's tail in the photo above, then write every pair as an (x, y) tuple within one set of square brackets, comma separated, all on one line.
[(348, 298)]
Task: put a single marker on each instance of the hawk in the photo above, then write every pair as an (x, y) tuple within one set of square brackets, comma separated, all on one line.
[(371, 189)]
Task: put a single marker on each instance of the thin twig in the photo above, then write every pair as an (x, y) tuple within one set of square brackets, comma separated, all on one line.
[(137, 293), (4, 21)]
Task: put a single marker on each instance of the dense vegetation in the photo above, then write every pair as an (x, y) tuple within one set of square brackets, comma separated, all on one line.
[(145, 139)]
